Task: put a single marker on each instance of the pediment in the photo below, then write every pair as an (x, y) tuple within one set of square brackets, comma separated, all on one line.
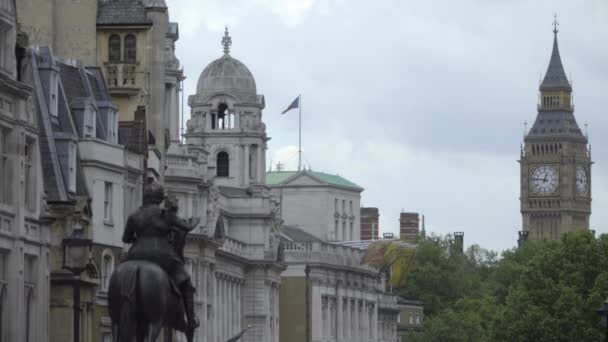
[(304, 179)]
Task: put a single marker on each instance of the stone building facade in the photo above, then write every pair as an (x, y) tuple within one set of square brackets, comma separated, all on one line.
[(90, 182), (327, 206), (555, 162), (328, 295), (24, 238), (218, 176)]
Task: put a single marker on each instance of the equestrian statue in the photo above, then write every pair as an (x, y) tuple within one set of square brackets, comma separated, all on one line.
[(151, 289)]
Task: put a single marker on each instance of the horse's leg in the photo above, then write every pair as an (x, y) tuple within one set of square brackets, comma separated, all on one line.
[(190, 335), (168, 334), (115, 337), (153, 331)]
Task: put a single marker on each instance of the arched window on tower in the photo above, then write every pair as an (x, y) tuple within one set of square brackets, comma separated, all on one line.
[(223, 164), (114, 48), (130, 49)]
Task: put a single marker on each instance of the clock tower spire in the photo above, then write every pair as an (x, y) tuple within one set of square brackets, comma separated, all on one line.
[(555, 162)]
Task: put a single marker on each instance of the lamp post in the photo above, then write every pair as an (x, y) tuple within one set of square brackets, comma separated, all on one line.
[(77, 259), (603, 311)]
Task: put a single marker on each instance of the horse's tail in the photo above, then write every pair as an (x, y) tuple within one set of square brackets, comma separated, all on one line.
[(128, 309)]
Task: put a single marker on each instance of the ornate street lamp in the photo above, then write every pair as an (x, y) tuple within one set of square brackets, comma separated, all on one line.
[(603, 311), (77, 259)]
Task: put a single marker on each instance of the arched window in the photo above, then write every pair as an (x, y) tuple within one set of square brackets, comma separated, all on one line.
[(223, 164), (114, 48), (107, 267), (130, 49)]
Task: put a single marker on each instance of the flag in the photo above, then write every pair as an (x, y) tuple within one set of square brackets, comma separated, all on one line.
[(295, 104)]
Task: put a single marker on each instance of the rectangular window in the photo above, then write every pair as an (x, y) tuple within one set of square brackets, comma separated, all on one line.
[(344, 230), (72, 167), (5, 182), (107, 202), (351, 207), (343, 206), (352, 231), (112, 127), (89, 123), (29, 188), (336, 205), (54, 94)]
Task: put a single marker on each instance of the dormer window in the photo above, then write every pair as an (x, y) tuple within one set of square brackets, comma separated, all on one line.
[(89, 123), (112, 127), (54, 94), (71, 167)]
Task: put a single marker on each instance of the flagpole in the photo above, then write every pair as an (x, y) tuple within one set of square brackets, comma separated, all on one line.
[(300, 135)]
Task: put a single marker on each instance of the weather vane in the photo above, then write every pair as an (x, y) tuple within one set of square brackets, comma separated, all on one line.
[(555, 23), (226, 41)]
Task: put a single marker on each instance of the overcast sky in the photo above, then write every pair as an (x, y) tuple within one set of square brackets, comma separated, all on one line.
[(422, 103)]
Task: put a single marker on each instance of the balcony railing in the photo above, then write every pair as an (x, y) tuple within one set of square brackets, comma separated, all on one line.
[(122, 78)]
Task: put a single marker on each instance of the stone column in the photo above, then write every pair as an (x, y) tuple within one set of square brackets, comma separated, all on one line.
[(202, 295), (347, 318), (246, 166), (339, 313), (316, 313), (259, 172), (374, 322)]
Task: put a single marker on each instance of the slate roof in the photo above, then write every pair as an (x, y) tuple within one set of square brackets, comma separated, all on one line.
[(555, 78), (559, 123), (276, 178), (70, 78), (297, 234), (125, 12)]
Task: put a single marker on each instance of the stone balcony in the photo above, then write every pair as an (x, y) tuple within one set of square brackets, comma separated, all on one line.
[(183, 166), (325, 253), (95, 151), (122, 79)]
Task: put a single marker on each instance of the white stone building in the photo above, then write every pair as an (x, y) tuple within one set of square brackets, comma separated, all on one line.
[(24, 240), (218, 176), (328, 295), (327, 206)]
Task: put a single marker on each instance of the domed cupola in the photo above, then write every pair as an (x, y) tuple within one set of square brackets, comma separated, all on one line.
[(227, 75)]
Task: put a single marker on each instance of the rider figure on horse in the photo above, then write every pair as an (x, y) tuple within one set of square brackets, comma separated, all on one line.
[(148, 230)]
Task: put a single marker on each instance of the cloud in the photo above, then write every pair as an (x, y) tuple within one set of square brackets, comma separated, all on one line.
[(420, 102)]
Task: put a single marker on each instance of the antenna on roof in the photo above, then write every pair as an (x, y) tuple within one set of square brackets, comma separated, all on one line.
[(586, 130), (525, 128), (279, 166)]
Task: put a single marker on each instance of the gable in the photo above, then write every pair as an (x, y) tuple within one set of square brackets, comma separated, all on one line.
[(303, 179)]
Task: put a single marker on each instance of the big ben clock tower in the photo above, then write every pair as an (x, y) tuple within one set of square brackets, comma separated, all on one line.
[(555, 162)]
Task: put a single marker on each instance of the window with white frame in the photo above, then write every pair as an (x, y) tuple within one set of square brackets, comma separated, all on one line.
[(29, 189), (54, 94), (112, 127), (5, 172), (107, 267), (107, 202), (89, 123), (71, 167)]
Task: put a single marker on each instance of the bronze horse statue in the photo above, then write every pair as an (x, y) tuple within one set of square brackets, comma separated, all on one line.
[(142, 301)]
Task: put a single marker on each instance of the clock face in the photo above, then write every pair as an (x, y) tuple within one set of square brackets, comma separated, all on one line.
[(582, 183), (544, 180)]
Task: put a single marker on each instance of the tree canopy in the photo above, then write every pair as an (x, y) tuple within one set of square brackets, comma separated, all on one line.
[(543, 291)]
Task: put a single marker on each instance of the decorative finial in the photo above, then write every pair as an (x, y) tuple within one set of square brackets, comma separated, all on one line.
[(555, 23), (525, 128), (226, 41)]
